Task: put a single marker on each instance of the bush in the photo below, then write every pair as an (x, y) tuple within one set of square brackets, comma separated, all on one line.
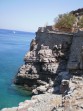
[(80, 22), (65, 22)]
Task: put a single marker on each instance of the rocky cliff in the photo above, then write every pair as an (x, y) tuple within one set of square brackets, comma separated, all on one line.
[(48, 56), (51, 54)]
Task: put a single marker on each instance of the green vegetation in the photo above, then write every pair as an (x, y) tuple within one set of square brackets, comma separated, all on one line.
[(65, 22), (80, 22)]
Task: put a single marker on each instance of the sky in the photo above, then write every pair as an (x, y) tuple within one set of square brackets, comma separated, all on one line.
[(28, 15)]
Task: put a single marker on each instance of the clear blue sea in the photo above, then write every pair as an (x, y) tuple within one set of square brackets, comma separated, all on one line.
[(13, 47)]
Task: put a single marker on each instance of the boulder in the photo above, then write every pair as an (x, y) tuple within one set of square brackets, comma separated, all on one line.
[(41, 89)]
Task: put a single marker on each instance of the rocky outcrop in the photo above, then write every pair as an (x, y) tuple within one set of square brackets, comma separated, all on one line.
[(44, 62), (78, 12), (49, 55)]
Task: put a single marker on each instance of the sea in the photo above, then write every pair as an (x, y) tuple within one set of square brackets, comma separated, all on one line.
[(13, 47)]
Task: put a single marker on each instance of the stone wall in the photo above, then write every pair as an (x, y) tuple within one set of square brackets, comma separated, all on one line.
[(52, 38), (75, 57), (46, 29)]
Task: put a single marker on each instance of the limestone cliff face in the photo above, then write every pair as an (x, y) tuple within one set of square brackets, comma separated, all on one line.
[(50, 54)]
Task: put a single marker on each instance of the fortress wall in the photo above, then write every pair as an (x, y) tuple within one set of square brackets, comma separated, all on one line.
[(75, 41), (51, 39), (75, 58)]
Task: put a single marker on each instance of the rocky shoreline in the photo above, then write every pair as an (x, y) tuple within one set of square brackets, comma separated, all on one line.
[(71, 100)]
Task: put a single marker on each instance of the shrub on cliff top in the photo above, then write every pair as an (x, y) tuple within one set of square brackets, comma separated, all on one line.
[(65, 22), (80, 22)]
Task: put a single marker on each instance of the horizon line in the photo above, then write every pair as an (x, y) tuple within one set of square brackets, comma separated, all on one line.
[(17, 30)]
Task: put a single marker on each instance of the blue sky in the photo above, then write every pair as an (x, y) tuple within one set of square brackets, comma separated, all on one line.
[(28, 15)]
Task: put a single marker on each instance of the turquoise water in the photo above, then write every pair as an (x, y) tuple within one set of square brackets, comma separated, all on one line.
[(13, 47)]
